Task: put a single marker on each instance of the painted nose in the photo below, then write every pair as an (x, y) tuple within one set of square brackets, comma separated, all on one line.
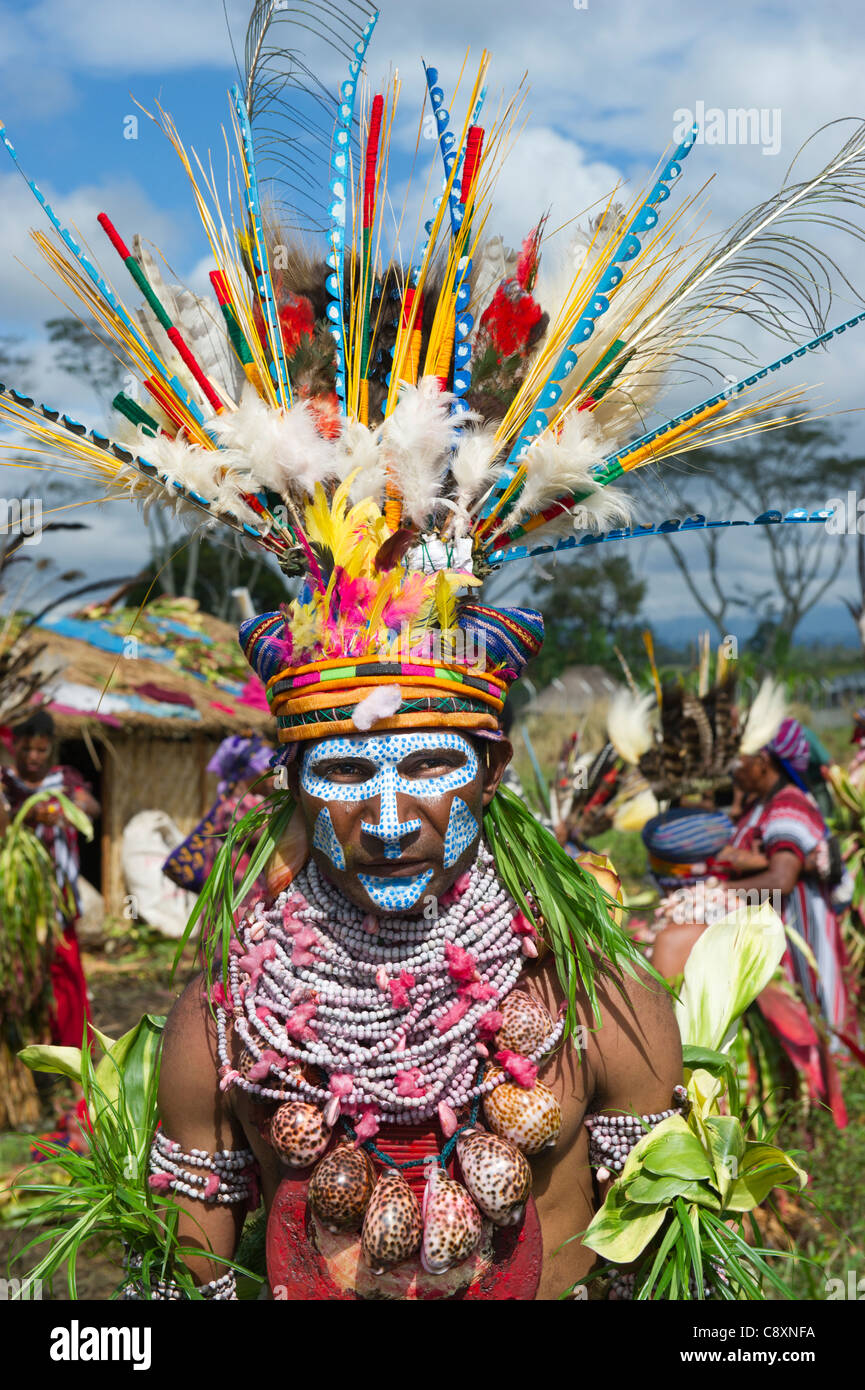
[(390, 829)]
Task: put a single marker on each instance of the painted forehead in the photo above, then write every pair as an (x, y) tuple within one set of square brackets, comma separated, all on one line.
[(386, 748)]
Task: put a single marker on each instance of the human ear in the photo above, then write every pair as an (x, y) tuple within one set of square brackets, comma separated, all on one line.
[(498, 754)]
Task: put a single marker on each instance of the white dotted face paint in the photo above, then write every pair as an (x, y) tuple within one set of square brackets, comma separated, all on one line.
[(384, 754), (462, 831), (325, 839), (395, 894)]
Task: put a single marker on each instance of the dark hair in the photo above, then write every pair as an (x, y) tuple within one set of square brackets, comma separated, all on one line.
[(39, 723), (506, 718)]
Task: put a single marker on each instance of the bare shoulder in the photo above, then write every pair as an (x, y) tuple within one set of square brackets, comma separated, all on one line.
[(632, 1053)]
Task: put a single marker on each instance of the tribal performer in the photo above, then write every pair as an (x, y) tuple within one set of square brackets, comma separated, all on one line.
[(33, 745), (430, 1043)]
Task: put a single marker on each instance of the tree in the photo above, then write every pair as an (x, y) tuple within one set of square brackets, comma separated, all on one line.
[(87, 351), (210, 572), (799, 465), (590, 604)]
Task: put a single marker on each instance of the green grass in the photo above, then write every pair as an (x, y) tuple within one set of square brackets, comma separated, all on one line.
[(832, 1231)]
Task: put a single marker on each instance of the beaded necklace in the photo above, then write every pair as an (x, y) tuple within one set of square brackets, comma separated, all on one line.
[(392, 1014)]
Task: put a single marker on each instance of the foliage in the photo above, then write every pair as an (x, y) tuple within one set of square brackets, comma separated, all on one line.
[(744, 480), (573, 914), (590, 607), (831, 1233), (848, 824), (257, 834), (678, 1210), (32, 904), (102, 1199)]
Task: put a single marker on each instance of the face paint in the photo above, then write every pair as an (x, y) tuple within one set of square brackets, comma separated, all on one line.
[(462, 831), (395, 894), (325, 839), (385, 752)]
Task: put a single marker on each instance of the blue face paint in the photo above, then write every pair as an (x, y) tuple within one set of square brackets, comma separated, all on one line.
[(385, 752), (395, 894), (325, 839), (462, 831)]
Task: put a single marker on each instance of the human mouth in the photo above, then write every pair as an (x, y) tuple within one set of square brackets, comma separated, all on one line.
[(396, 868)]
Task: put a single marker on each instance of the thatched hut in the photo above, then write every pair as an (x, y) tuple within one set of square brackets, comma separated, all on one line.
[(140, 703)]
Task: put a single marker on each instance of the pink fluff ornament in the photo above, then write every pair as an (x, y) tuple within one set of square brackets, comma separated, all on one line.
[(524, 1072), (160, 1182), (462, 965), (268, 1059), (399, 989), (253, 962), (490, 1023), (456, 1011), (297, 1024), (408, 1083), (366, 1127), (341, 1084), (478, 990)]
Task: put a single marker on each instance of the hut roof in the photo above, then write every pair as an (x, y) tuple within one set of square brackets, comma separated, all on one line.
[(172, 670)]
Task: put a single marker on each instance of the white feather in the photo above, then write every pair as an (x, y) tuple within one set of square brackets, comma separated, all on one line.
[(281, 448), (201, 325), (357, 450), (629, 724), (558, 466), (473, 469), (765, 717), (416, 441), (492, 264), (220, 476), (380, 703)]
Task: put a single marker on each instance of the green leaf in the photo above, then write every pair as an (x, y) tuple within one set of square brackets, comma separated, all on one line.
[(731, 962), (64, 1060), (677, 1155), (727, 1145), (763, 1167), (621, 1230), (664, 1191)]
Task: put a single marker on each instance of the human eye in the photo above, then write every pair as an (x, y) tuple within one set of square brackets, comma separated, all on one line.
[(351, 771), (434, 763)]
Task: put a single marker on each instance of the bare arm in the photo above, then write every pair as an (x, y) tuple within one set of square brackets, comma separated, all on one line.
[(782, 874), (194, 1114), (631, 1063)]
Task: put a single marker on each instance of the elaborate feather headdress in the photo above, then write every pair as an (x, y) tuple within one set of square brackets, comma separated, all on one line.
[(327, 411)]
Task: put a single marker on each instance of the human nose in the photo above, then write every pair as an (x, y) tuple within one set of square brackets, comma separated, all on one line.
[(390, 829)]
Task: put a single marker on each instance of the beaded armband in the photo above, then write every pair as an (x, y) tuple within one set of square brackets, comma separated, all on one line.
[(221, 1290), (223, 1178), (611, 1137)]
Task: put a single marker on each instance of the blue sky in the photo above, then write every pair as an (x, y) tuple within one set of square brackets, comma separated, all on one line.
[(606, 80)]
